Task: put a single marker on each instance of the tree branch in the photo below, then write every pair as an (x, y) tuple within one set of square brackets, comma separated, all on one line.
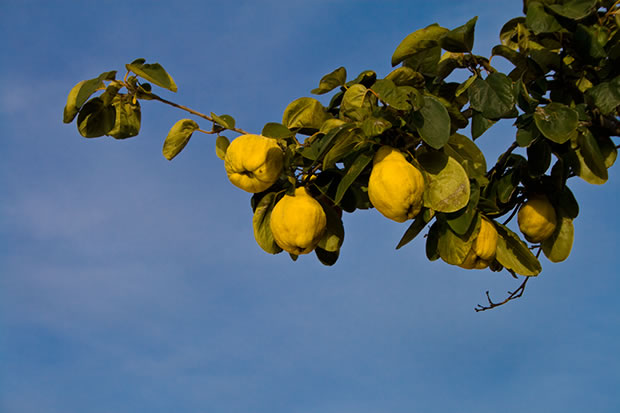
[(193, 112)]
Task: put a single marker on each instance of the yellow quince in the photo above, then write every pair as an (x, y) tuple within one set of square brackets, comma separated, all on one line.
[(253, 162), (298, 222), (537, 218), (395, 186), (482, 251)]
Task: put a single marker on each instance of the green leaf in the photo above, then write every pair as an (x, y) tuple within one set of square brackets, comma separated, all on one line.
[(574, 9), (480, 124), (467, 153), (261, 221), (524, 137), (557, 247), (153, 72), (334, 233), (81, 92), (608, 150), (406, 76), (509, 34), (177, 138), (426, 61), (392, 95), (432, 239), (448, 63), (128, 116), (433, 122), (226, 121), (557, 122), (326, 257), (538, 157), (460, 221), (344, 144), (493, 96), (606, 95), (453, 248), (357, 167), (221, 146), (448, 188), (357, 103), (514, 254), (539, 21), (304, 113), (276, 131), (588, 41), (414, 229), (418, 41), (366, 78), (331, 81), (465, 85), (95, 118), (375, 126), (461, 39), (591, 155)]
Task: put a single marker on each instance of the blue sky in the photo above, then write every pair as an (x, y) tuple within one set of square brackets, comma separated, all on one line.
[(130, 283)]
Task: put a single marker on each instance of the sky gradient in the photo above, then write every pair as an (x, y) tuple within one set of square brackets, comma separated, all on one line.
[(129, 283)]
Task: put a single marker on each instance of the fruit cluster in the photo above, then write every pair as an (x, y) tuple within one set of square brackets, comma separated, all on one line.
[(396, 187)]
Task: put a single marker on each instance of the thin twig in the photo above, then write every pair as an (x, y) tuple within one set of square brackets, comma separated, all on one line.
[(512, 295), (503, 158)]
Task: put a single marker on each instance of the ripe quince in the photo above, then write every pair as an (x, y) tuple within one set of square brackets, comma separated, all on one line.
[(253, 162), (395, 186), (298, 222), (483, 249), (537, 218)]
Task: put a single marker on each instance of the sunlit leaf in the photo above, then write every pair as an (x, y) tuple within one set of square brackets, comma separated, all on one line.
[(178, 137), (418, 41), (153, 72), (331, 81), (448, 186), (514, 254), (128, 116), (221, 146), (304, 113), (460, 39), (276, 131), (557, 248)]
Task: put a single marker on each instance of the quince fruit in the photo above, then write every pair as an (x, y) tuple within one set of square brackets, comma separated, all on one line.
[(253, 162), (483, 249), (395, 186), (537, 218), (298, 222)]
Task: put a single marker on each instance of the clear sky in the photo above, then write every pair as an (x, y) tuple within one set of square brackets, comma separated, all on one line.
[(129, 283)]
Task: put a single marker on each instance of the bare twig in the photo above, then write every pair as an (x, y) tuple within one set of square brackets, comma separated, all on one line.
[(512, 295)]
